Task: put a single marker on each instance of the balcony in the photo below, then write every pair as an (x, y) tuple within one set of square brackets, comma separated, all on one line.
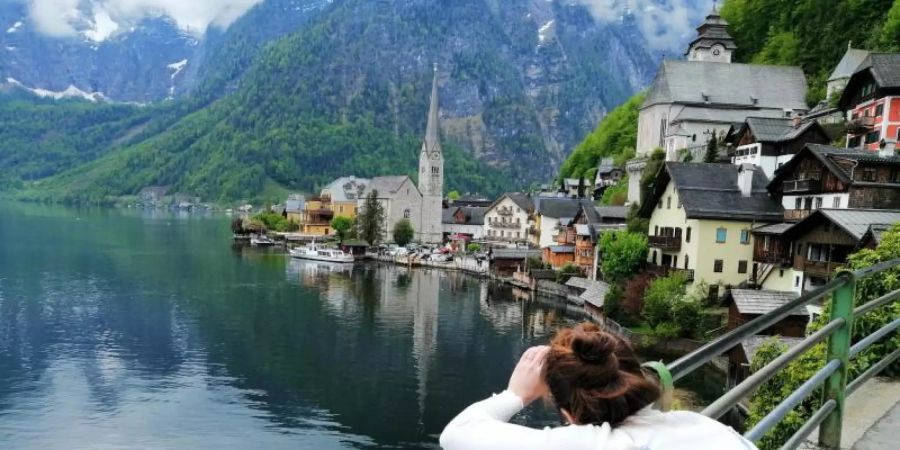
[(822, 269), (506, 225), (774, 257), (860, 125), (504, 212), (800, 186), (666, 243), (796, 215), (663, 271)]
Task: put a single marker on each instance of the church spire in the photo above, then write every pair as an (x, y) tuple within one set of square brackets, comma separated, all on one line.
[(432, 135), (713, 43)]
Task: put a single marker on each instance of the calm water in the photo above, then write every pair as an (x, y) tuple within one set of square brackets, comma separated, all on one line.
[(126, 329)]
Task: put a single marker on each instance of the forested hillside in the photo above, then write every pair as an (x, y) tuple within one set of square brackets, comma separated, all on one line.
[(810, 33)]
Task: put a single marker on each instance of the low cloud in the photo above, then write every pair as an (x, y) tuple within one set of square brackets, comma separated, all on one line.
[(665, 24), (64, 17)]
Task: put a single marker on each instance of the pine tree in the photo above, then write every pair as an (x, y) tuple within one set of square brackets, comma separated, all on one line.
[(712, 149), (371, 220)]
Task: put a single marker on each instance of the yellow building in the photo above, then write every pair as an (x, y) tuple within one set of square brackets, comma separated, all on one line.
[(701, 217), (338, 198)]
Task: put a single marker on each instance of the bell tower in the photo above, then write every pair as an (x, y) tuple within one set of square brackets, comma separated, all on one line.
[(713, 43), (431, 171)]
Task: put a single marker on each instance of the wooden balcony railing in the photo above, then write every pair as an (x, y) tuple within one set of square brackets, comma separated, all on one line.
[(796, 215), (782, 258), (822, 269), (666, 242), (805, 185)]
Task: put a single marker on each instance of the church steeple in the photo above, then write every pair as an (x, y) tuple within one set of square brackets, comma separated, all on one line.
[(432, 141), (713, 43)]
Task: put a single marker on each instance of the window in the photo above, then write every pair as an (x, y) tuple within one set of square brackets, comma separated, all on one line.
[(656, 230), (718, 265), (659, 205), (675, 261), (742, 266), (687, 236), (745, 237), (797, 281), (798, 203), (818, 202), (879, 110), (653, 257), (406, 214), (854, 142), (669, 202), (836, 202), (435, 170), (807, 203), (868, 175), (780, 273), (871, 137), (721, 235), (686, 259)]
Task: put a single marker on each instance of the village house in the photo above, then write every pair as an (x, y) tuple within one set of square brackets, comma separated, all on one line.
[(820, 244), (691, 101), (588, 292), (607, 175), (343, 194), (464, 223), (551, 214), (293, 208), (745, 305), (770, 142), (507, 261), (508, 219), (821, 176), (577, 239), (700, 221), (872, 100), (315, 218)]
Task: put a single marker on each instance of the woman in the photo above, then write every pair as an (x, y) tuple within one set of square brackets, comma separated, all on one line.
[(596, 381)]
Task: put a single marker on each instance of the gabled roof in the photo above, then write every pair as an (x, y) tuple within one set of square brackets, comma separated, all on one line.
[(752, 301), (617, 212), (448, 215), (346, 189), (710, 191), (874, 233), (829, 156), (777, 129), (884, 67), (578, 282), (752, 344), (474, 215), (851, 60), (854, 222), (773, 229), (521, 200), (737, 85), (605, 166), (388, 186), (561, 207)]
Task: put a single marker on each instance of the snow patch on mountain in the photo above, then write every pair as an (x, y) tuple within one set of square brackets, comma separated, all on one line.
[(545, 32), (70, 92), (102, 27)]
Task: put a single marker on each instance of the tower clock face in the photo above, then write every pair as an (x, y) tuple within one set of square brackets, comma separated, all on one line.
[(716, 52), (435, 155)]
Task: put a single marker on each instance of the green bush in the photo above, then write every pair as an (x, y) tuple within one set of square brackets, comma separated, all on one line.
[(473, 248), (567, 271), (669, 311), (621, 252), (403, 232)]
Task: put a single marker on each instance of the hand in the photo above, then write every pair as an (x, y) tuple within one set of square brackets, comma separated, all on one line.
[(527, 381)]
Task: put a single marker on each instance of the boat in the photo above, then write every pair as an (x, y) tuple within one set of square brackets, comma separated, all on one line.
[(261, 240), (315, 253)]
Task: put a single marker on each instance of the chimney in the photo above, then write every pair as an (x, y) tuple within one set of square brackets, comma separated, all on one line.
[(797, 121), (745, 179), (887, 148)]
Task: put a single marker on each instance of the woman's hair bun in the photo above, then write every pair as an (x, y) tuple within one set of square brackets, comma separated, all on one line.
[(595, 347)]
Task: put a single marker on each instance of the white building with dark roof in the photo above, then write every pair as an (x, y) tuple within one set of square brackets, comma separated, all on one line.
[(690, 101)]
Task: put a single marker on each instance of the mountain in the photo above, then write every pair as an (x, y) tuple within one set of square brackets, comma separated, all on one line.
[(142, 61), (346, 93)]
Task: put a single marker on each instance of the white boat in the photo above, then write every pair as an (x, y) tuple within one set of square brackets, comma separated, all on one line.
[(316, 253), (261, 241)]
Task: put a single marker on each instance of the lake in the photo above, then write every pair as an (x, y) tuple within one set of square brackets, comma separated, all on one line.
[(149, 329)]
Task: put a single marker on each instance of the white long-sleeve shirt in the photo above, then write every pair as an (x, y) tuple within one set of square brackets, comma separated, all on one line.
[(484, 426)]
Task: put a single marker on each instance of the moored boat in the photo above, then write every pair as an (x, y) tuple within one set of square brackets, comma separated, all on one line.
[(315, 253), (261, 241)]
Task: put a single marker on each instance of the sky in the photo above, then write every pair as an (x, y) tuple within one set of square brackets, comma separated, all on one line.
[(60, 17), (665, 24)]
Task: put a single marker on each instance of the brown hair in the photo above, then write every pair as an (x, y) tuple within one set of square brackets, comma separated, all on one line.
[(595, 376)]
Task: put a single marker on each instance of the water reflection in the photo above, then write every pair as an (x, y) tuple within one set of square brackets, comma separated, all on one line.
[(136, 330)]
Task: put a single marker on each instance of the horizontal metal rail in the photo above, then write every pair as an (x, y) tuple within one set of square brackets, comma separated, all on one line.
[(880, 301), (688, 363), (874, 337), (783, 408), (872, 371), (728, 400), (814, 421)]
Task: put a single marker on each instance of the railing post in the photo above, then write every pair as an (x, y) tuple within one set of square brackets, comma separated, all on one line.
[(839, 349)]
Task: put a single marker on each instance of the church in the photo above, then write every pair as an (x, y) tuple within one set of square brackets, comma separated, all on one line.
[(704, 95), (402, 199)]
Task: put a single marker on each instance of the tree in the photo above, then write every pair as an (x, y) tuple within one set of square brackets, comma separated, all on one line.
[(342, 226), (237, 226), (661, 295), (453, 196), (473, 247), (581, 187), (621, 252), (403, 232), (371, 219), (712, 148), (567, 271)]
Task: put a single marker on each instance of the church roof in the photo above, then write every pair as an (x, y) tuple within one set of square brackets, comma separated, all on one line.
[(713, 30), (709, 84), (387, 186), (853, 57), (432, 139)]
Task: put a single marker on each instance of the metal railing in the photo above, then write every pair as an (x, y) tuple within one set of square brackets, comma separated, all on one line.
[(833, 375)]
